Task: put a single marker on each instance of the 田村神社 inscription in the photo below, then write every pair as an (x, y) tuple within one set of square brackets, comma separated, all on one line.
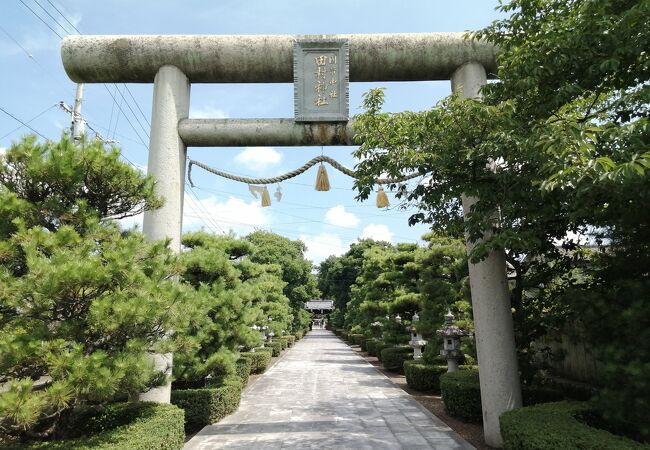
[(321, 80)]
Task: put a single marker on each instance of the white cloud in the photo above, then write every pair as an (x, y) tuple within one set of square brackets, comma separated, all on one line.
[(234, 214), (258, 158), (340, 217), (207, 112), (320, 246), (377, 232)]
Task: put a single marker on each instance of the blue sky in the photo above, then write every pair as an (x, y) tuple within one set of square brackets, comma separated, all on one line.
[(33, 82)]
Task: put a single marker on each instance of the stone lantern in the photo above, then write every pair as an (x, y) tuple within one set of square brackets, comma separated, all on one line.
[(263, 329), (416, 342), (256, 328), (398, 318), (451, 335)]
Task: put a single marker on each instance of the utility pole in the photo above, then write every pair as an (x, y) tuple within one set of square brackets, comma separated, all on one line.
[(78, 127)]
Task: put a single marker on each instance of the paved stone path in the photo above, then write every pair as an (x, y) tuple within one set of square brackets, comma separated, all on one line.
[(322, 395)]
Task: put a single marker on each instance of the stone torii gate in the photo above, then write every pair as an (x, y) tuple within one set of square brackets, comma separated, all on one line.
[(172, 63)]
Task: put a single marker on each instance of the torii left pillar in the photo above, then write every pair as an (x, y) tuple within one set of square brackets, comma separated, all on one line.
[(167, 152)]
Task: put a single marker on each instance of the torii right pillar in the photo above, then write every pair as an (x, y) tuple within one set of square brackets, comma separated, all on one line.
[(495, 338)]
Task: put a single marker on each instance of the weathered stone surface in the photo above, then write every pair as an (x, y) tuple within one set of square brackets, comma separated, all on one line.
[(495, 337), (262, 132), (322, 395), (266, 58)]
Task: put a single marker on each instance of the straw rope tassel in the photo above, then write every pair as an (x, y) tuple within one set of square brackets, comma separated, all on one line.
[(266, 198), (322, 180), (382, 198)]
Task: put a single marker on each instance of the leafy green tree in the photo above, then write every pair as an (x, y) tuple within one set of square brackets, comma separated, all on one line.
[(81, 303), (337, 274), (558, 146), (296, 271)]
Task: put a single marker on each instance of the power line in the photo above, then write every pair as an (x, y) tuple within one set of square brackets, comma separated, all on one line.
[(200, 205), (112, 96), (125, 116), (62, 15), (21, 121), (29, 121), (41, 19), (52, 17), (17, 43), (146, 132), (135, 102)]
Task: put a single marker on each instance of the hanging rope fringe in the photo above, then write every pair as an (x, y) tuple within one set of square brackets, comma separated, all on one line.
[(263, 192), (278, 193), (322, 180), (382, 199), (266, 198), (294, 173)]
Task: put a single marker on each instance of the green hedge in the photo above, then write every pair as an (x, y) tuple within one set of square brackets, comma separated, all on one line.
[(205, 406), (283, 343), (423, 377), (557, 426), (290, 340), (371, 346), (120, 426), (344, 335), (260, 360), (392, 358), (380, 347), (243, 369), (355, 338), (365, 342), (275, 346), (462, 395), (298, 334)]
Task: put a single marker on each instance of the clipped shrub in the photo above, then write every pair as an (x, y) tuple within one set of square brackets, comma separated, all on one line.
[(557, 426), (298, 334), (243, 369), (260, 360), (371, 346), (264, 349), (338, 331), (356, 338), (392, 358), (381, 346), (120, 426), (290, 340), (364, 344), (275, 346), (462, 395), (423, 377), (209, 405), (283, 342), (344, 335)]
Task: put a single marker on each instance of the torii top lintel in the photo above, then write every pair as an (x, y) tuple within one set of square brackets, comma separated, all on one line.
[(266, 58)]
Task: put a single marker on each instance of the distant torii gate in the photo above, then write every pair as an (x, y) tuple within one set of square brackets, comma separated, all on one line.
[(173, 62)]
